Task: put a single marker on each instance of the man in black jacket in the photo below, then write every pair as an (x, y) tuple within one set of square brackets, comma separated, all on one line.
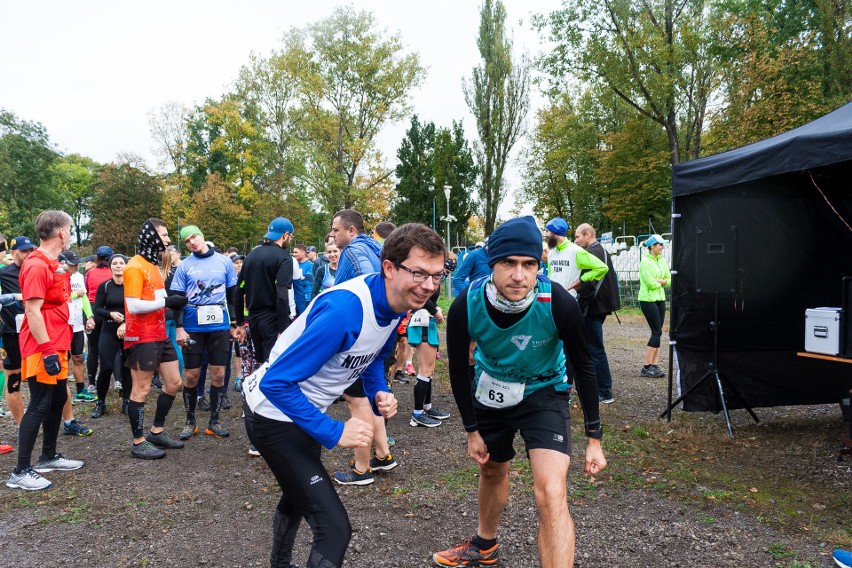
[(263, 288), (598, 302)]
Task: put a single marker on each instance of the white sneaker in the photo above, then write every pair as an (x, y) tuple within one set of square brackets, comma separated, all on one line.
[(92, 389), (116, 386), (28, 480), (57, 463)]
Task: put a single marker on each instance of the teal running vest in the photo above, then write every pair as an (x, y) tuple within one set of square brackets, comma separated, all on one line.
[(527, 352)]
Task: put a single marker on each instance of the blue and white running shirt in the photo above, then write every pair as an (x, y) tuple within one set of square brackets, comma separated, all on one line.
[(204, 281), (345, 333)]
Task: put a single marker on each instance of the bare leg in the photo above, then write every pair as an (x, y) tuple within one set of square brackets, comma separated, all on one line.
[(493, 494), (360, 408), (556, 528), (652, 354)]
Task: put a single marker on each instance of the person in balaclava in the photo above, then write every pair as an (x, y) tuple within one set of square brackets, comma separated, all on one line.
[(148, 346)]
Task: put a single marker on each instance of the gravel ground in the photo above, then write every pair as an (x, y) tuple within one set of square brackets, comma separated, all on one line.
[(211, 505)]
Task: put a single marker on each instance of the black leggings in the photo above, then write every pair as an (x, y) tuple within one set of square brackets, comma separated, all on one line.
[(44, 409), (306, 492), (112, 356), (92, 355), (655, 314)]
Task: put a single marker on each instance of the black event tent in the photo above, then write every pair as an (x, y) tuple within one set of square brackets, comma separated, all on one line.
[(769, 228)]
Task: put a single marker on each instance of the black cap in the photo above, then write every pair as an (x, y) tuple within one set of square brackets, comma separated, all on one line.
[(70, 257)]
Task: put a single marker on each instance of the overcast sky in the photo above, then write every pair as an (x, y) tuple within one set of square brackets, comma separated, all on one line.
[(91, 71)]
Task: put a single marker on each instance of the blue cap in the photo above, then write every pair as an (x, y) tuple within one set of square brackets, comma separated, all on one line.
[(104, 252), (655, 239), (558, 226), (21, 243), (516, 237), (277, 228)]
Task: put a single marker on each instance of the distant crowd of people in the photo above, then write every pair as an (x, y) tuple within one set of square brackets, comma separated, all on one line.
[(302, 330)]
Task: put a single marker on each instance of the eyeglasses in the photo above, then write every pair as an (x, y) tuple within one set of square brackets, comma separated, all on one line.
[(421, 277)]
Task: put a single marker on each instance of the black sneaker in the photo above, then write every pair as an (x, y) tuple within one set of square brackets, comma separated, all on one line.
[(217, 431), (353, 477), (437, 414), (659, 372), (203, 405), (100, 409), (386, 463), (400, 377), (648, 372), (146, 451), (164, 441)]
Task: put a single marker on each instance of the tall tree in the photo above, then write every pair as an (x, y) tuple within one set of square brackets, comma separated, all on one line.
[(498, 96), (75, 176), (454, 165), (168, 129), (360, 80), (786, 63), (656, 55), (125, 195), (26, 174), (415, 172)]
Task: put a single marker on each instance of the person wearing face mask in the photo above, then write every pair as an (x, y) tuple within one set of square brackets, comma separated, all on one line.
[(148, 346), (525, 328)]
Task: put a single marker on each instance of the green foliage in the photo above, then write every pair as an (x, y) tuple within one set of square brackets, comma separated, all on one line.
[(26, 174), (359, 79), (429, 159), (498, 96), (124, 197), (74, 176), (786, 64)]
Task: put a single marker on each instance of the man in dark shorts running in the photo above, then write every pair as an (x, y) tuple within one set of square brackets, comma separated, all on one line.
[(524, 327)]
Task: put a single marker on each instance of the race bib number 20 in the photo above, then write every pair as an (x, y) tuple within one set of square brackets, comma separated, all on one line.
[(210, 315)]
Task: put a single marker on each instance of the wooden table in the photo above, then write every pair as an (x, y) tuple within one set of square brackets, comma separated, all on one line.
[(846, 450)]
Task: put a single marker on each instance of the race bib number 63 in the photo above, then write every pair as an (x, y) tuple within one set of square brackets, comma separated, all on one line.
[(495, 393)]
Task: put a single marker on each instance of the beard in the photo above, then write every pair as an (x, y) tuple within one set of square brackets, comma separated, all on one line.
[(552, 242)]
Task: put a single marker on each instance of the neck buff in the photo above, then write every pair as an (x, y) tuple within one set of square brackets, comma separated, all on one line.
[(507, 306), (209, 252), (150, 245)]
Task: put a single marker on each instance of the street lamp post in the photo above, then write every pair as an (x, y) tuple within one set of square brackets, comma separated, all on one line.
[(447, 189)]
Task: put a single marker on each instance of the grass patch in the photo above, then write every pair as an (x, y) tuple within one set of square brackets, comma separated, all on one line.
[(462, 480)]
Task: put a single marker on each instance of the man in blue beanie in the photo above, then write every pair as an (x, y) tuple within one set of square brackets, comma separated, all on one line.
[(525, 328)]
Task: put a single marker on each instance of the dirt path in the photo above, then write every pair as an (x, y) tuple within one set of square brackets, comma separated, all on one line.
[(674, 495)]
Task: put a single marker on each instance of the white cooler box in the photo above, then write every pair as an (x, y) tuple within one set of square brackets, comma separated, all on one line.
[(822, 330)]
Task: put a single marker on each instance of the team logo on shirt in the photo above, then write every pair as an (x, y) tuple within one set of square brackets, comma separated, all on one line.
[(315, 479), (521, 341)]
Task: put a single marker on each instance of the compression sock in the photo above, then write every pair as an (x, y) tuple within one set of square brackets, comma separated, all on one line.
[(81, 387), (317, 560), (427, 402), (483, 543), (136, 414), (164, 404), (421, 388), (215, 403), (190, 402)]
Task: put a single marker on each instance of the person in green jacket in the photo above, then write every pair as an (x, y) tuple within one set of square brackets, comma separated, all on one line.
[(654, 277)]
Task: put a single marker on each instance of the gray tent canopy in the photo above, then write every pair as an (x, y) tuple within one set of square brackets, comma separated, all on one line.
[(782, 209)]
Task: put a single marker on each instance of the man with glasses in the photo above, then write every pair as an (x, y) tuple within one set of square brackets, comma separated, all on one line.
[(343, 337)]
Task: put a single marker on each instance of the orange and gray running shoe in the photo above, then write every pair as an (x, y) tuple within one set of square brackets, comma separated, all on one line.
[(467, 554)]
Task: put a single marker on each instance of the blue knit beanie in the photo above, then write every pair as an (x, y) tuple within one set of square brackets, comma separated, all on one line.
[(558, 226), (516, 237)]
